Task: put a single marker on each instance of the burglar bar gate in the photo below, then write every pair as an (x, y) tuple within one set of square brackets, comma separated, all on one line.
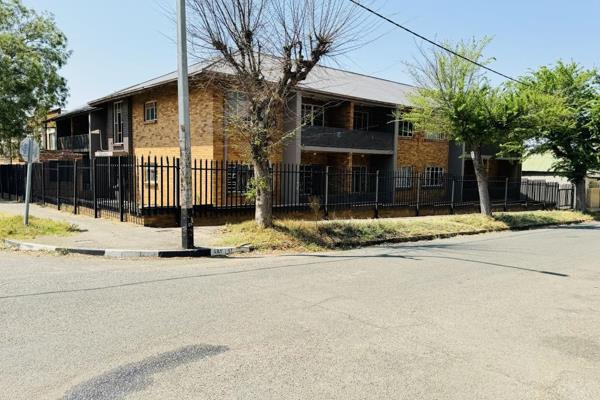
[(127, 188)]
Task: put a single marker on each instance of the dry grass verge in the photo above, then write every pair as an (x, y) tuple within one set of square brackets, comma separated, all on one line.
[(11, 227), (292, 235)]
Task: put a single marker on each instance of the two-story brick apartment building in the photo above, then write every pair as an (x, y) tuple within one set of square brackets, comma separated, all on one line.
[(352, 123), (340, 119)]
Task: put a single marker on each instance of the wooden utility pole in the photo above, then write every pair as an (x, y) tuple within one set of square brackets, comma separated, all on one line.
[(185, 143)]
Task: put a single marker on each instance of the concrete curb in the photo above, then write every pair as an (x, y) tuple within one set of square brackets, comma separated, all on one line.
[(123, 253)]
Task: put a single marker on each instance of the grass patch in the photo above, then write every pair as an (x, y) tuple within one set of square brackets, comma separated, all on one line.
[(11, 227), (293, 235)]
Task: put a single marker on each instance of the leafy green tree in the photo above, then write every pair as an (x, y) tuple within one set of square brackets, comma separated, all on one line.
[(565, 121), (32, 51), (456, 99)]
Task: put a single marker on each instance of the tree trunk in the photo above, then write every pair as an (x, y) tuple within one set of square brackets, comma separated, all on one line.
[(580, 195), (264, 194), (482, 181)]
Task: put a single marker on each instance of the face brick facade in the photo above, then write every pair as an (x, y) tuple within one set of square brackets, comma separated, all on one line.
[(419, 153)]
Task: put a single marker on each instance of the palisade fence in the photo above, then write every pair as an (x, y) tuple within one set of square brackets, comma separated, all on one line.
[(131, 188)]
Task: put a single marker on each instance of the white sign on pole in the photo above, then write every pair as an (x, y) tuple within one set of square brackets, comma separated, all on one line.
[(30, 151)]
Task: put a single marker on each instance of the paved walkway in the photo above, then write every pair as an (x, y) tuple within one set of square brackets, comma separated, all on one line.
[(108, 234)]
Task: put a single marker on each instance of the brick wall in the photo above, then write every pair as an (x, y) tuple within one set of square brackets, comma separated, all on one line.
[(421, 153), (161, 138)]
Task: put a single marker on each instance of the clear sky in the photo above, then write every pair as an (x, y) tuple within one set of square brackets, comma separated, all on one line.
[(117, 43)]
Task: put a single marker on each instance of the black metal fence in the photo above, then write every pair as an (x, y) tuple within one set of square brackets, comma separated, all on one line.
[(127, 188)]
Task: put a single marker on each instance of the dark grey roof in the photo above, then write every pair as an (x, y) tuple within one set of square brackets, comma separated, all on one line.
[(325, 80)]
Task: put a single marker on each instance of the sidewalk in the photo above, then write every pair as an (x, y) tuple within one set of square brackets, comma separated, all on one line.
[(108, 234)]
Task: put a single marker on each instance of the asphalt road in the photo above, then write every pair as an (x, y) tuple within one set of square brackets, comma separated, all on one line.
[(499, 316)]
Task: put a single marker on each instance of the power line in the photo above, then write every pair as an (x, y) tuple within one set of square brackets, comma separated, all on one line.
[(432, 42)]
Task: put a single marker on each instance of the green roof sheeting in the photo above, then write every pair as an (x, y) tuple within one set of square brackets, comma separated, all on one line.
[(539, 163)]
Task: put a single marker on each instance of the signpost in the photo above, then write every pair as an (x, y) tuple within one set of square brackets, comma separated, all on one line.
[(30, 151)]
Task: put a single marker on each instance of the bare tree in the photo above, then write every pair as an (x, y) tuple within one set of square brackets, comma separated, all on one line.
[(268, 47)]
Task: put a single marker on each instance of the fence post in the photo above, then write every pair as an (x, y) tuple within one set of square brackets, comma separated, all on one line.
[(58, 185), (452, 196), (572, 196), (506, 195), (120, 182), (326, 191), (418, 193), (526, 194), (94, 189), (74, 186), (377, 194), (43, 184)]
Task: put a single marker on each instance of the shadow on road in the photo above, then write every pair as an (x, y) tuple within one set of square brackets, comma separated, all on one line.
[(134, 377)]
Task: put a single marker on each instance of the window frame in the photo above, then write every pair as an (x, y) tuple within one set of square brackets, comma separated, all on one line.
[(435, 136), (365, 120), (405, 180), (362, 172), (241, 178), (313, 107), (433, 176), (151, 171), (235, 102), (118, 123), (406, 129), (146, 109)]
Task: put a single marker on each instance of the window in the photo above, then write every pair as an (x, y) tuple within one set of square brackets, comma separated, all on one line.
[(406, 129), (118, 122), (151, 178), (237, 178), (434, 136), (310, 178), (313, 115), (361, 120), (237, 106), (404, 178), (150, 113), (434, 176), (359, 179)]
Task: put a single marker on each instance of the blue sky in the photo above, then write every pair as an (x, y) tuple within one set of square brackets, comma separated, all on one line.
[(117, 43)]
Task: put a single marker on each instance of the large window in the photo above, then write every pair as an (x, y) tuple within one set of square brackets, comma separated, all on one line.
[(434, 136), (359, 179), (151, 172), (310, 178), (150, 112), (406, 129), (237, 106), (238, 176), (313, 115), (361, 120), (404, 177), (434, 176), (118, 122)]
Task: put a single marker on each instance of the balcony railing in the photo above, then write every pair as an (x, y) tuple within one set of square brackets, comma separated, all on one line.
[(77, 143), (322, 136)]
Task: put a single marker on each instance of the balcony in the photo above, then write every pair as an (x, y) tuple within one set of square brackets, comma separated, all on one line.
[(76, 143), (317, 137)]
